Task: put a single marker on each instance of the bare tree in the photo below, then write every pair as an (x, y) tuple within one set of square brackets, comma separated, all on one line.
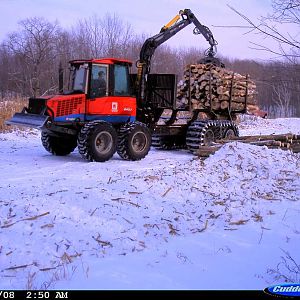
[(107, 36), (279, 84), (32, 48), (4, 69), (282, 99), (89, 37), (118, 36), (270, 26)]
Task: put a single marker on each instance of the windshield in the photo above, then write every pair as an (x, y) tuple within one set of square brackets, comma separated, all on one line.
[(78, 78)]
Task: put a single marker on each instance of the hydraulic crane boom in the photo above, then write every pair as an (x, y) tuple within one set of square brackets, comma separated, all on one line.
[(169, 30)]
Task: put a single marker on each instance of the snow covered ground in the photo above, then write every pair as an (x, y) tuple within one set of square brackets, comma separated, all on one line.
[(170, 221)]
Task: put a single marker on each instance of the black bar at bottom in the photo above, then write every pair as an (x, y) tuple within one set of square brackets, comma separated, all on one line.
[(95, 294)]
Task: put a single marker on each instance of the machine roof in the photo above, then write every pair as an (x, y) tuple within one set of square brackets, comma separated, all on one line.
[(108, 61)]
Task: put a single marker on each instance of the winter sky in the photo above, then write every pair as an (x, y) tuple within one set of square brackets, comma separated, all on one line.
[(149, 16)]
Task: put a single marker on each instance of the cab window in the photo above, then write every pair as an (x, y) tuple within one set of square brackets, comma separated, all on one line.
[(98, 81), (78, 78), (121, 81)]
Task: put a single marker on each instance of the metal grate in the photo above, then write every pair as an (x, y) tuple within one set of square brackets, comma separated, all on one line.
[(36, 105), (68, 107), (161, 90)]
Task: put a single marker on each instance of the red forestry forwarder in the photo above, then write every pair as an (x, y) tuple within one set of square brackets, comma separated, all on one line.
[(120, 111)]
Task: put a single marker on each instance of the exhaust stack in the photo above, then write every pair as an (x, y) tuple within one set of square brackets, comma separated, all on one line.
[(60, 78)]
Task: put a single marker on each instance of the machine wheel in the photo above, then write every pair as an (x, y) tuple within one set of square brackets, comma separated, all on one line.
[(230, 130), (60, 146), (134, 141), (204, 133), (97, 141), (208, 137), (156, 141), (163, 142), (168, 142), (197, 134), (229, 133)]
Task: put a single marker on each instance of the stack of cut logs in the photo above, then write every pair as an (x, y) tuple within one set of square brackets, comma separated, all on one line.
[(209, 86), (280, 141)]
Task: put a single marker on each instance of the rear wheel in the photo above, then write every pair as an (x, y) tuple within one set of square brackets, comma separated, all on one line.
[(134, 141), (163, 142), (229, 133), (59, 145), (97, 141), (169, 142), (209, 137), (206, 132)]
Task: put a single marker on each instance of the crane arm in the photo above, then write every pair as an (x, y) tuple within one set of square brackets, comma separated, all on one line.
[(169, 30)]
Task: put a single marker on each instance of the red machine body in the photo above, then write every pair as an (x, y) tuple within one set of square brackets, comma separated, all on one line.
[(115, 105), (78, 108)]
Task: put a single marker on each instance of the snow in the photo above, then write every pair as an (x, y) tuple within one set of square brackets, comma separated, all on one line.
[(252, 125), (169, 221)]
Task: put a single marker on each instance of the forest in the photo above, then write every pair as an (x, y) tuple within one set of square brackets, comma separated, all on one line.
[(30, 60)]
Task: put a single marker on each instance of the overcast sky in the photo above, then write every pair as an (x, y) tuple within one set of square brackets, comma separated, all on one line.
[(148, 16)]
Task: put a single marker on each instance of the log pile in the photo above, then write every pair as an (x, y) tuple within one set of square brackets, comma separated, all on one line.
[(280, 141), (205, 85)]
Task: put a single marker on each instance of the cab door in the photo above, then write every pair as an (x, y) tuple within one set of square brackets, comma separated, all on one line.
[(97, 96), (99, 74), (122, 99)]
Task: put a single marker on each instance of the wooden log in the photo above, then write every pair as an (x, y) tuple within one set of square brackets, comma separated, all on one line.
[(295, 148), (205, 151), (286, 145), (279, 141), (205, 81), (287, 137), (267, 143), (296, 137), (224, 105)]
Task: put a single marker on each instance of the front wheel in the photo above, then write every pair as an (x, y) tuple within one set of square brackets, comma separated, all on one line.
[(97, 141), (58, 145), (134, 141)]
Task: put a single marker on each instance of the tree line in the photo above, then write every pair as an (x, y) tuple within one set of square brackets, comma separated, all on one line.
[(30, 58)]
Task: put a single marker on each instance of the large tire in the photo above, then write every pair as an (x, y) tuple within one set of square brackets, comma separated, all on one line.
[(134, 141), (163, 142), (195, 136), (168, 142), (231, 131), (61, 146), (97, 141), (204, 133)]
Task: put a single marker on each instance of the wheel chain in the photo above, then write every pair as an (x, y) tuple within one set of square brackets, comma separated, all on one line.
[(196, 131), (166, 143)]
